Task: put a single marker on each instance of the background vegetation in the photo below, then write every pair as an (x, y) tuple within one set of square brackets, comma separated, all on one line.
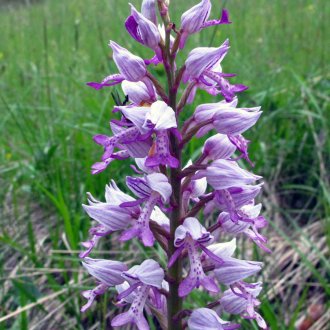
[(49, 49)]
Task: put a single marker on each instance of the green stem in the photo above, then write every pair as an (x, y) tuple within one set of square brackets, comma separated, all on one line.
[(174, 302)]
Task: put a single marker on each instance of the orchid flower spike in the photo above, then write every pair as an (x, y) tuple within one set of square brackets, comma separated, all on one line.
[(152, 131)]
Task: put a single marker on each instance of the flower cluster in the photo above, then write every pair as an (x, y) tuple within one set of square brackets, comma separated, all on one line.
[(184, 209)]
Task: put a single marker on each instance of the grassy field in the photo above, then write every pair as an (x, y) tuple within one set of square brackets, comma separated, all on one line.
[(50, 49)]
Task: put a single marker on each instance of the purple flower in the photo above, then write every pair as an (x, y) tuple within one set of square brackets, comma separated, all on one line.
[(245, 220), (149, 275), (241, 299), (218, 147), (152, 189), (233, 270), (203, 67), (230, 270), (152, 183), (130, 66), (130, 140), (137, 93), (231, 199), (223, 174), (242, 145), (208, 319), (236, 122), (99, 167), (201, 60), (196, 188), (144, 31), (110, 216), (157, 118), (155, 135), (192, 235), (107, 272), (226, 118), (235, 197), (195, 19)]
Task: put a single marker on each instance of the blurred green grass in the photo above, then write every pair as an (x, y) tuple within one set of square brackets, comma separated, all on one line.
[(47, 53)]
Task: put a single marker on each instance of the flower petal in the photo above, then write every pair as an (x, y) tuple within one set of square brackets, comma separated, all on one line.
[(130, 66), (205, 319), (158, 182), (161, 116), (149, 273), (233, 270), (218, 147), (111, 216), (106, 271)]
